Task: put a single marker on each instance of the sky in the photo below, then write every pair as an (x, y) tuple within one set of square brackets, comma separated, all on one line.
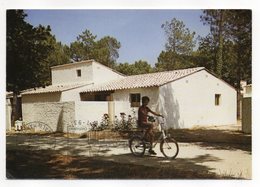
[(138, 31)]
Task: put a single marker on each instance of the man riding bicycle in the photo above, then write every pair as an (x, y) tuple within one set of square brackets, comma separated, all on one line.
[(143, 122)]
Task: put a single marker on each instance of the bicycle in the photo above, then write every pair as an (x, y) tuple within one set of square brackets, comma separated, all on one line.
[(168, 145)]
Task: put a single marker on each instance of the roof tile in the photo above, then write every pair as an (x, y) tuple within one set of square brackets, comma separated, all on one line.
[(55, 88), (143, 80)]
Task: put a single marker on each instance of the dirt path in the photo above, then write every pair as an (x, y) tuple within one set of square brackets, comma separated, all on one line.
[(60, 157), (192, 156)]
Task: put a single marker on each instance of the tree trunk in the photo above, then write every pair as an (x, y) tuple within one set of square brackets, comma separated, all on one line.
[(14, 115), (219, 64)]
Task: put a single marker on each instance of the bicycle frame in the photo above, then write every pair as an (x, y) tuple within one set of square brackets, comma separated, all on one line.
[(162, 135)]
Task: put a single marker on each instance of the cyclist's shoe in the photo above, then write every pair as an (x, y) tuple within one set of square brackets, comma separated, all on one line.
[(152, 152)]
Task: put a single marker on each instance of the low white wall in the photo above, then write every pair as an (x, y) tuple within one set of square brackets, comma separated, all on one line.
[(8, 112), (57, 115), (72, 117), (89, 111)]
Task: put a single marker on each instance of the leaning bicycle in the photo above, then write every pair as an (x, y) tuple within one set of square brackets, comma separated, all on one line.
[(168, 145)]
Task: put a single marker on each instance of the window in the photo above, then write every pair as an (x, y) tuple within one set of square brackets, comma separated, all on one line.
[(135, 99), (79, 72), (217, 99)]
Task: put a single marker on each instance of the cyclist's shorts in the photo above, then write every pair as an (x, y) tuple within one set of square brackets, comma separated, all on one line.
[(145, 126)]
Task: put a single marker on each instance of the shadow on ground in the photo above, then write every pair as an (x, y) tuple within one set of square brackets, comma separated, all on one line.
[(217, 139), (42, 164), (53, 156)]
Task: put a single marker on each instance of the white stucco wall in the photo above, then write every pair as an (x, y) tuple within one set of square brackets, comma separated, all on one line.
[(190, 101), (152, 93), (103, 74), (73, 94), (90, 72), (47, 108), (67, 74), (57, 115), (124, 96), (89, 111), (122, 106)]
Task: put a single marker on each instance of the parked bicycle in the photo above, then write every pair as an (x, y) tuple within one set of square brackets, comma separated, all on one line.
[(168, 145)]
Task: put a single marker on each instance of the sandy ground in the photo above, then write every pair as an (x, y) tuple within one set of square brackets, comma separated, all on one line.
[(223, 159), (234, 163)]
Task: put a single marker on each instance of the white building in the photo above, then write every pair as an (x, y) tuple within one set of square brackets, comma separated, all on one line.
[(84, 91)]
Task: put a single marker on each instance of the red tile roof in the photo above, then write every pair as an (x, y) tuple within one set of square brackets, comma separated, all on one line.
[(143, 80), (55, 88)]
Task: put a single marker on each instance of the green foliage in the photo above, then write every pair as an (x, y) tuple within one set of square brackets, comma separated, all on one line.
[(216, 19), (179, 47), (59, 55), (125, 68), (82, 49), (240, 29), (87, 47), (139, 67), (226, 50), (167, 61), (27, 50), (106, 51), (208, 51), (228, 46), (180, 40)]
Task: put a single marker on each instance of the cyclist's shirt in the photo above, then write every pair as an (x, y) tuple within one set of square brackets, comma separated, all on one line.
[(143, 114)]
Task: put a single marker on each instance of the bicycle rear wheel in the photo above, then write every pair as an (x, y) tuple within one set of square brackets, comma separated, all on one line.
[(169, 147), (137, 146)]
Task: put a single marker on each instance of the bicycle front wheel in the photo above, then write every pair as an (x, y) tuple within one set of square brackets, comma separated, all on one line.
[(137, 146), (169, 147)]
